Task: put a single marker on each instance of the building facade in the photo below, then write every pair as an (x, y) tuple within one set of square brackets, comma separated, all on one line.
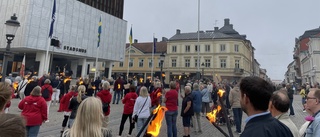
[(76, 27), (290, 75), (220, 52), (142, 62)]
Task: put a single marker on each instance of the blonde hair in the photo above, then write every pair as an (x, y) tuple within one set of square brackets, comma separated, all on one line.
[(81, 91), (5, 94), (88, 122), (157, 84), (144, 92)]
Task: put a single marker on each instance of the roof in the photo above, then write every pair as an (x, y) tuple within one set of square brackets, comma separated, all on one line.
[(310, 33), (226, 32), (148, 46)]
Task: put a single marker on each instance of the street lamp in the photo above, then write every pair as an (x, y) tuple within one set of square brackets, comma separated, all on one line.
[(11, 29), (162, 56), (202, 66)]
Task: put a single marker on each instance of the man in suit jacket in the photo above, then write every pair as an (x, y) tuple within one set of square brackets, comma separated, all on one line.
[(254, 101)]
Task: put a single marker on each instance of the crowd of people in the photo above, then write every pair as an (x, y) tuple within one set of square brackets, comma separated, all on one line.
[(86, 106)]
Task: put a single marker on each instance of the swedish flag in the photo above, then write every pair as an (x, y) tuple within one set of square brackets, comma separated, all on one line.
[(130, 36), (99, 31)]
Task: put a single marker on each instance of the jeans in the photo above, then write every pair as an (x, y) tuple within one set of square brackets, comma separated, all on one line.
[(140, 123), (291, 108), (116, 93), (171, 120), (32, 131), (123, 121), (237, 114)]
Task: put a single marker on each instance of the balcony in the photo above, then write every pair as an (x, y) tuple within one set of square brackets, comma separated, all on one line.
[(295, 56), (238, 71)]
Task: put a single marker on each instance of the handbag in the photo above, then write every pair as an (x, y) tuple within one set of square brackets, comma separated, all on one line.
[(135, 117)]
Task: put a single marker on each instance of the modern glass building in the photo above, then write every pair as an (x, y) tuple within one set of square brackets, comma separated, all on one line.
[(76, 27)]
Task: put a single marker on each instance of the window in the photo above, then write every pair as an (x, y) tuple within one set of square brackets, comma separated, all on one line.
[(207, 63), (159, 62), (236, 48), (150, 63), (174, 48), (207, 49), (131, 63), (237, 63), (132, 51), (223, 63), (196, 48), (187, 48), (121, 64), (174, 63), (196, 63), (141, 63), (222, 47), (187, 63)]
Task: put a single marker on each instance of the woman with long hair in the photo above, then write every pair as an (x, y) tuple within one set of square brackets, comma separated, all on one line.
[(64, 102), (128, 101), (142, 108), (34, 110), (89, 120), (75, 102), (5, 95)]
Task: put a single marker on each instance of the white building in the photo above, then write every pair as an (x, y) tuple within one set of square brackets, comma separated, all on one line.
[(76, 27), (310, 60)]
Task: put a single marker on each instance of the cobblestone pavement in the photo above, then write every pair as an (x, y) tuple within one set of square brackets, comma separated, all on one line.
[(52, 128)]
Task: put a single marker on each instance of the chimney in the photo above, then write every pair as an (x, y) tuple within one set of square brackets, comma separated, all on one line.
[(226, 22), (164, 39), (178, 31), (216, 29), (135, 40), (231, 25)]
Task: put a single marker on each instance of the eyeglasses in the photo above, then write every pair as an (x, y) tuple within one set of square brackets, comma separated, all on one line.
[(307, 98)]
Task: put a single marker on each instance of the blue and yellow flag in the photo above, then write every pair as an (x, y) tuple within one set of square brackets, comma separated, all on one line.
[(130, 36), (99, 31)]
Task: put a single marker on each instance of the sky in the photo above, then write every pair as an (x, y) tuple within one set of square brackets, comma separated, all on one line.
[(270, 25)]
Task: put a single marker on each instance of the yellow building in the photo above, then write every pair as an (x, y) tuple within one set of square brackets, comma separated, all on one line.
[(222, 52), (141, 62)]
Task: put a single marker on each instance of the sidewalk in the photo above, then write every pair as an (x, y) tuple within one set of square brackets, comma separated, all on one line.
[(52, 129)]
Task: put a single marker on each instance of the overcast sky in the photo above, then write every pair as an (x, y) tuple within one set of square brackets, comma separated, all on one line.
[(271, 25)]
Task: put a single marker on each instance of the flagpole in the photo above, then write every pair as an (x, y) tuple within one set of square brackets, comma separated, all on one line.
[(152, 58), (95, 73), (130, 41), (51, 25)]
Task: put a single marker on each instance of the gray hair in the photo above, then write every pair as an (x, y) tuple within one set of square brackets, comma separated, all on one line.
[(188, 84), (187, 88), (105, 85), (47, 81), (196, 86)]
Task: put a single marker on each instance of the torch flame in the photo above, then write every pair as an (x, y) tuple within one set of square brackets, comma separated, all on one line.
[(155, 124), (221, 92), (15, 85), (159, 94), (66, 79), (212, 116)]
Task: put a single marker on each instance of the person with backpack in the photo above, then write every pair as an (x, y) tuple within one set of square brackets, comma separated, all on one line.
[(46, 91), (56, 90), (75, 102), (105, 97), (64, 102)]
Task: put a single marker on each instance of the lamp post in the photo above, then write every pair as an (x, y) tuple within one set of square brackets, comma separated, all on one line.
[(11, 27), (162, 56), (202, 66)]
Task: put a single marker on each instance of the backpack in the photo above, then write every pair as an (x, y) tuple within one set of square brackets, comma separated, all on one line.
[(45, 93), (105, 107)]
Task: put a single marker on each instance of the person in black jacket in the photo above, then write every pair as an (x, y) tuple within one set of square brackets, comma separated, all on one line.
[(187, 110), (290, 94), (254, 100), (75, 102), (33, 83)]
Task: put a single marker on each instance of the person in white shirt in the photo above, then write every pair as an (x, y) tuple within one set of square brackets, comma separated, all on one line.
[(142, 108), (21, 87)]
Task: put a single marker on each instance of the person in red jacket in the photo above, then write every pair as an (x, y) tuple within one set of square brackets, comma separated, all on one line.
[(48, 87), (105, 97), (64, 103), (128, 101), (34, 110), (155, 98)]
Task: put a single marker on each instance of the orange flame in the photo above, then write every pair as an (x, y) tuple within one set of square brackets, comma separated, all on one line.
[(221, 92), (66, 79), (155, 125), (94, 87), (30, 80), (212, 116), (15, 85), (159, 94)]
